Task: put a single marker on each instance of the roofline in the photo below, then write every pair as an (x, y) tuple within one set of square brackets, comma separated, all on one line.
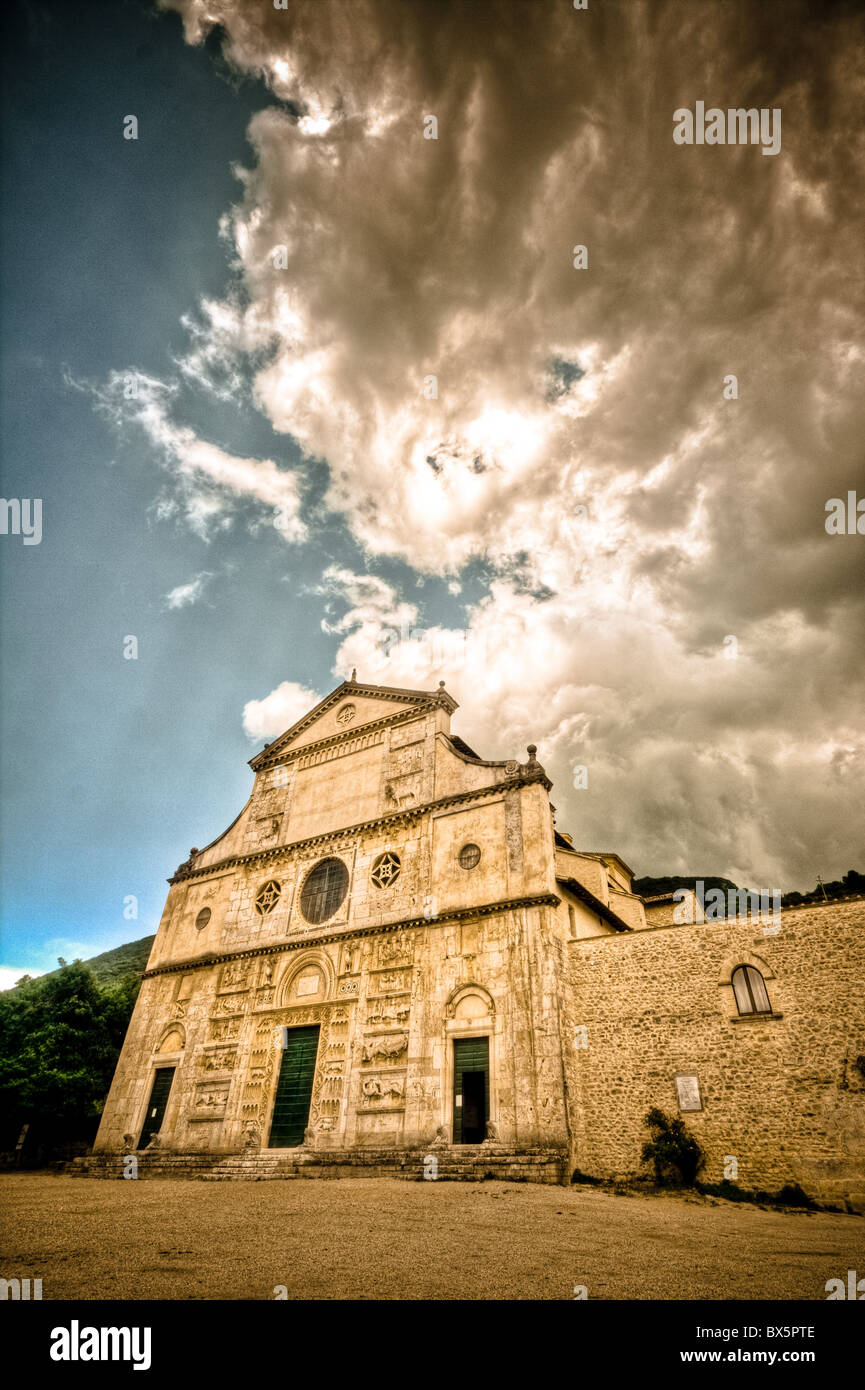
[(427, 698), (583, 893), (607, 854)]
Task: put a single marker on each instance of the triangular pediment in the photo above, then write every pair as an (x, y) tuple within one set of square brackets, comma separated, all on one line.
[(348, 708)]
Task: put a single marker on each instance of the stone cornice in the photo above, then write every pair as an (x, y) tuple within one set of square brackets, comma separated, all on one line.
[(303, 943), (422, 700), (272, 756), (523, 778)]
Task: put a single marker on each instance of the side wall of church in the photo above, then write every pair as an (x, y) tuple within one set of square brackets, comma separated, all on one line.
[(783, 1095)]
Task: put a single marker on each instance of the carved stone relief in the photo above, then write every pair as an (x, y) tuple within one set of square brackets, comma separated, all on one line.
[(209, 1101), (395, 949), (386, 1048)]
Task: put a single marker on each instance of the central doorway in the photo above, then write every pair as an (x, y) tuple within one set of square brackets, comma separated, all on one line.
[(471, 1089), (294, 1088)]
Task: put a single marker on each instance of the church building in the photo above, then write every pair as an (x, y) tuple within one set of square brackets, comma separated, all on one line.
[(392, 960)]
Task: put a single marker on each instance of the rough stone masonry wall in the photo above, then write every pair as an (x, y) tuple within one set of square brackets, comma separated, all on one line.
[(783, 1095)]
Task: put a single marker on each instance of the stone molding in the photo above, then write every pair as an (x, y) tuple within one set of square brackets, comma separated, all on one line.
[(524, 777), (304, 942)]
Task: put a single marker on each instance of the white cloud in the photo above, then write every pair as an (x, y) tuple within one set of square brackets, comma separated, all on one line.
[(10, 975), (208, 481), (270, 717), (185, 594)]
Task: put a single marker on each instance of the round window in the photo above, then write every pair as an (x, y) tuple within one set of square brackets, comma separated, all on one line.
[(470, 856), (346, 714), (324, 890), (203, 918), (267, 897), (385, 870)]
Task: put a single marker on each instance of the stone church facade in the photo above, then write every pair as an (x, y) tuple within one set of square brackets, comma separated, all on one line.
[(393, 956)]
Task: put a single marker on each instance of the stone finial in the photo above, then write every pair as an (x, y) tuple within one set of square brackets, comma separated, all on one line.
[(354, 675), (441, 685), (532, 750)]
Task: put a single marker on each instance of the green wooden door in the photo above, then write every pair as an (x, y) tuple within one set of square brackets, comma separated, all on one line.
[(471, 1089), (156, 1106), (294, 1088)]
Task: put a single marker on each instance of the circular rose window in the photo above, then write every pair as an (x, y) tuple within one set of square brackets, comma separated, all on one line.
[(470, 857), (324, 890), (203, 918)]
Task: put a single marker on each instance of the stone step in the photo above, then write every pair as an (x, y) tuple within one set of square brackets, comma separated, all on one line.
[(469, 1164)]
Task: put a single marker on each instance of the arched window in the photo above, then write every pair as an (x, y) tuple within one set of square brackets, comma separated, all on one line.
[(324, 890), (749, 987)]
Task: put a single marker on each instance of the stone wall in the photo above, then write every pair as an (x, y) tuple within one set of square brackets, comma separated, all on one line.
[(782, 1095)]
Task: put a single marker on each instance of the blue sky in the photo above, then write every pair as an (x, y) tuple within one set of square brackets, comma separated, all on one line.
[(578, 515)]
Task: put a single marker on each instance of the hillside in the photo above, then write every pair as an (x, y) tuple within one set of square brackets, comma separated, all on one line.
[(111, 966)]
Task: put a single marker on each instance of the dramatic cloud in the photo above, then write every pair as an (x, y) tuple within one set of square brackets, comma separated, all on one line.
[(208, 482), (666, 608)]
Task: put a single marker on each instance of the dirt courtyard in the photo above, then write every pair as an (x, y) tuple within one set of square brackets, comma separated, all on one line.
[(378, 1238)]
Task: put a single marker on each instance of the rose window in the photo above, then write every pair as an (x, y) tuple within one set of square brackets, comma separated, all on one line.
[(385, 870), (324, 890), (267, 897)]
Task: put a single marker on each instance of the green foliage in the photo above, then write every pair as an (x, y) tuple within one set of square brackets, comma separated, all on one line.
[(110, 967), (672, 1150), (60, 1037)]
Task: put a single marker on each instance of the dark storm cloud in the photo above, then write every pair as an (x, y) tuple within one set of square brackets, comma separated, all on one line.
[(703, 516)]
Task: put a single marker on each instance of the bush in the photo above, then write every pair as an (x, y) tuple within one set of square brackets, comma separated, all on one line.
[(675, 1154)]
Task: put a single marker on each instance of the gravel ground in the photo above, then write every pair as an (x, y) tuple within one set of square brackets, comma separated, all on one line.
[(378, 1238)]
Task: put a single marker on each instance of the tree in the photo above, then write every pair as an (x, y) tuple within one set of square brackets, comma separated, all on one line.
[(672, 1150), (60, 1037)]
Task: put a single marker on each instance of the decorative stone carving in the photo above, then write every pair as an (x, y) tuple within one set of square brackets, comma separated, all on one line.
[(224, 1029), (351, 955), (210, 1101), (425, 1088), (235, 975), (183, 870), (219, 1059), (391, 982), (388, 1011), (387, 1048), (382, 1088), (395, 949), (231, 1004)]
